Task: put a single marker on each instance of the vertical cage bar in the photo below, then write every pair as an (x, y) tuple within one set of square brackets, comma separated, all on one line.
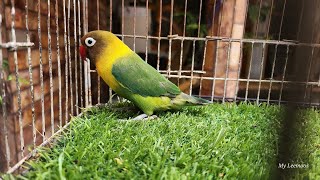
[(84, 16), (227, 71), (217, 55), (272, 72), (110, 18), (34, 132), (85, 64), (66, 61), (98, 14), (80, 63), (228, 59), (147, 28), (206, 43), (88, 61), (41, 73), (59, 63), (75, 55), (283, 76), (4, 100), (282, 15), (270, 17), (261, 72), (203, 64), (192, 66), (300, 20), (239, 71), (309, 72), (182, 40), (170, 40), (214, 71), (87, 75), (311, 58), (241, 52), (220, 18), (98, 26), (194, 47), (69, 57), (122, 19), (213, 15), (110, 28), (199, 20), (249, 73), (134, 24), (159, 35), (258, 20), (15, 56), (50, 67)]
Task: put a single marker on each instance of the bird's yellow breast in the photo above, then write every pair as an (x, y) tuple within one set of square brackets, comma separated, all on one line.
[(104, 62)]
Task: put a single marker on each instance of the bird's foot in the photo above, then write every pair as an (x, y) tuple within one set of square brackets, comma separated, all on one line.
[(141, 117), (144, 117)]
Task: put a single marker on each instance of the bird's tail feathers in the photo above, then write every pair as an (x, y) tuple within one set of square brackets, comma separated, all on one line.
[(183, 98)]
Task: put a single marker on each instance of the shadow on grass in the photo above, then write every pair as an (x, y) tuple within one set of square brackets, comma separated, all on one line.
[(128, 110)]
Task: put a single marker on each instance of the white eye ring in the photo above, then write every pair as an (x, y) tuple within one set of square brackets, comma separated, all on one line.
[(90, 41)]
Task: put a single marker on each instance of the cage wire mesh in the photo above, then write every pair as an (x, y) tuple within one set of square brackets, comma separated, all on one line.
[(220, 50)]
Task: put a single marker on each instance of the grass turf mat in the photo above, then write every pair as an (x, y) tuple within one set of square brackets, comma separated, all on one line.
[(215, 141), (306, 147)]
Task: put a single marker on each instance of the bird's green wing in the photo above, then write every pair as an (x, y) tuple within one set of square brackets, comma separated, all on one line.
[(140, 78)]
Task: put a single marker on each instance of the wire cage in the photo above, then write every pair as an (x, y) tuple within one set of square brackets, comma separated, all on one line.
[(231, 50)]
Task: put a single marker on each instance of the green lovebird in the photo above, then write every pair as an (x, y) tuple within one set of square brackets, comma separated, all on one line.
[(131, 77)]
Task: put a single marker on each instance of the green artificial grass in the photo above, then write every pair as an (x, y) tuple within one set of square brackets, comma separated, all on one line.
[(219, 141), (306, 149)]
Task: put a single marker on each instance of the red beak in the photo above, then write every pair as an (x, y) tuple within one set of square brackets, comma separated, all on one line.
[(83, 53)]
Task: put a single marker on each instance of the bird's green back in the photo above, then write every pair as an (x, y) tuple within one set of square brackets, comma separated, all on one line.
[(140, 78)]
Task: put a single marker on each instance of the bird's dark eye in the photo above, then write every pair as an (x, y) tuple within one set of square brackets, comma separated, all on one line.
[(90, 41)]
